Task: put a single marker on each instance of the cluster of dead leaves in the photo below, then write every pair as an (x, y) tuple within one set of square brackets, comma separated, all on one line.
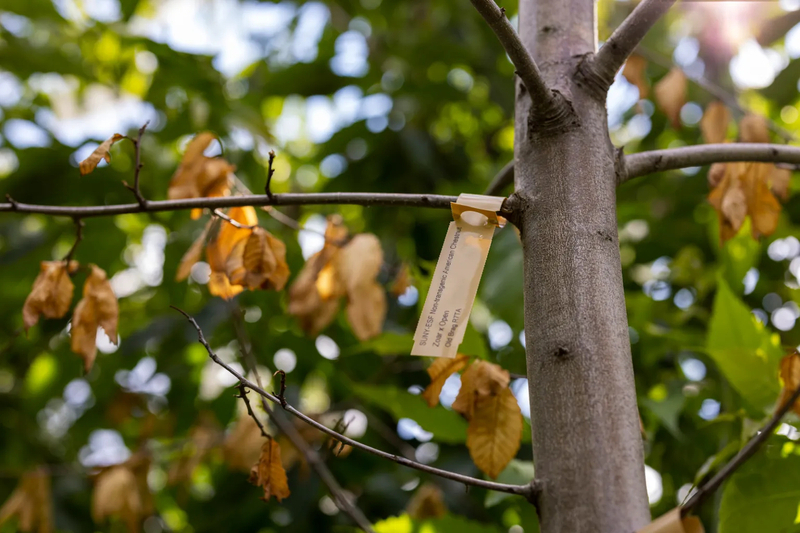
[(30, 503), (200, 176), (121, 492), (51, 296), (743, 189), (495, 425), (669, 93), (341, 271), (244, 257)]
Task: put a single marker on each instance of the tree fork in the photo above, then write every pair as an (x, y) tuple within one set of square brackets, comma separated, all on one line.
[(586, 441)]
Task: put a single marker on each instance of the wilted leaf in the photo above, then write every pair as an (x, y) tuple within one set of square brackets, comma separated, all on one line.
[(779, 182), (98, 307), (116, 494), (261, 262), (268, 472), (753, 129), (366, 310), (481, 378), (101, 152), (200, 176), (359, 262), (441, 369), (714, 124), (670, 95), (495, 431), (31, 503), (193, 254), (51, 293), (790, 377), (427, 502), (402, 281), (222, 245), (634, 72), (715, 174)]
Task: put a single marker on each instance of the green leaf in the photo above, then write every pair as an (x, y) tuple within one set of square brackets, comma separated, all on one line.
[(474, 343), (388, 343), (516, 473), (746, 353), (447, 426), (763, 495), (739, 255), (445, 524)]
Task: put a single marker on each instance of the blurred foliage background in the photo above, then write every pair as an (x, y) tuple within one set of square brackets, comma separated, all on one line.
[(363, 95)]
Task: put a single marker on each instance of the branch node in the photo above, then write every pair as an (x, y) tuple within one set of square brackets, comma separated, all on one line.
[(270, 172), (137, 144), (78, 238), (14, 204), (283, 387)]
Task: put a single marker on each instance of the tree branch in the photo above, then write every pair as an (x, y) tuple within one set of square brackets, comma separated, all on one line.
[(78, 239), (287, 428), (543, 101), (744, 454), (503, 179), (635, 165), (529, 491), (610, 58)]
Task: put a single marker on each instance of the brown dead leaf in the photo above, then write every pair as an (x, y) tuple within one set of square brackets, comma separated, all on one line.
[(670, 95), (222, 245), (259, 262), (268, 472), (101, 152), (402, 281), (427, 502), (31, 503), (779, 182), (242, 445), (97, 308), (692, 524), (762, 206), (116, 494), (193, 254), (51, 293), (441, 369), (714, 124), (494, 433), (480, 379), (634, 72), (715, 174), (753, 129), (359, 262), (199, 176), (366, 310), (790, 378)]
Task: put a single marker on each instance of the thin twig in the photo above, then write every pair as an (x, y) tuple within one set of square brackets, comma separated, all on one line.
[(232, 222), (529, 491), (503, 179), (287, 428), (270, 172), (243, 395), (11, 202), (543, 100), (137, 147), (282, 394), (78, 239), (610, 58), (752, 446), (644, 163)]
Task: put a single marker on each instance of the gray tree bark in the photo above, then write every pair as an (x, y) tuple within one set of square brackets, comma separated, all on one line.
[(586, 441)]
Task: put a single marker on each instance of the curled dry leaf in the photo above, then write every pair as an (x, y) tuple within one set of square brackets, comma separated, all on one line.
[(193, 254), (200, 176), (779, 182), (268, 472), (359, 262), (494, 432), (790, 377), (714, 124), (97, 308), (753, 129), (634, 72), (441, 369), (221, 246), (366, 310), (259, 262), (101, 152), (51, 293), (116, 494), (427, 502), (30, 503), (670, 95)]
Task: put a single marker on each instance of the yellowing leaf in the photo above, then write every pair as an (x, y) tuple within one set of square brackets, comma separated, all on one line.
[(222, 245), (714, 124), (51, 293), (30, 503), (261, 263), (98, 307), (634, 72), (441, 369), (790, 376), (495, 431), (670, 95), (366, 310), (427, 502), (192, 255), (101, 152), (753, 129), (268, 472), (116, 494), (219, 285)]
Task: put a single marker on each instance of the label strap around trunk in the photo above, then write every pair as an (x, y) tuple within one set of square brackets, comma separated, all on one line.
[(458, 272)]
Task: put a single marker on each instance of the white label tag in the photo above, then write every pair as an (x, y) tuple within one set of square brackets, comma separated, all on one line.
[(458, 272)]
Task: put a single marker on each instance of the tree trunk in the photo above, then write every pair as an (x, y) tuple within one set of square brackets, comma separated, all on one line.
[(586, 441)]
